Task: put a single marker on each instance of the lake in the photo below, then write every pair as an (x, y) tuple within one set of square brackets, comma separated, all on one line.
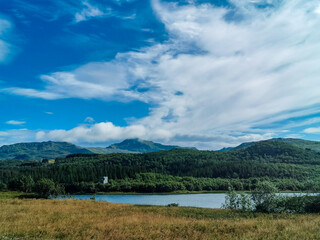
[(208, 200)]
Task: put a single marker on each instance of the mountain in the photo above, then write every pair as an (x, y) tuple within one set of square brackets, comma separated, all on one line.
[(278, 152), (39, 150), (300, 143), (102, 150), (139, 145)]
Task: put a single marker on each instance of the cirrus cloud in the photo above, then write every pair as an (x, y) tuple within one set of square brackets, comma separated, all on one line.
[(6, 49), (314, 130), (88, 12), (14, 122)]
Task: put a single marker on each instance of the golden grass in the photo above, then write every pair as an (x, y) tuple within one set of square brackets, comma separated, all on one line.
[(79, 219)]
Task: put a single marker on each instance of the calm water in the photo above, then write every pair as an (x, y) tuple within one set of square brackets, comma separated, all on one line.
[(192, 200)]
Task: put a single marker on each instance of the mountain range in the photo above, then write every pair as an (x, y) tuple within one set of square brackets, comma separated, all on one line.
[(52, 150)]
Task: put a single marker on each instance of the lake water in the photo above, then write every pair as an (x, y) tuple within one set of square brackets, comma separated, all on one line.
[(192, 200), (208, 200)]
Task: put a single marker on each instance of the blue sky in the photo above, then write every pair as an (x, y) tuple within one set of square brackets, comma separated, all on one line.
[(209, 74)]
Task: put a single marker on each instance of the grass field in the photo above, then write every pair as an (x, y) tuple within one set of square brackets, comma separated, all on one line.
[(79, 219)]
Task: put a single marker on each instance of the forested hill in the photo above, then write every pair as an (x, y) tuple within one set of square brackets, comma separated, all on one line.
[(300, 143), (289, 166), (39, 150), (140, 146)]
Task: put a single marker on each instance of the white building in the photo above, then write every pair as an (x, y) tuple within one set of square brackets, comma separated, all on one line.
[(104, 180)]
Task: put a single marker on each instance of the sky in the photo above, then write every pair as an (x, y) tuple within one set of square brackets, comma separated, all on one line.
[(200, 73)]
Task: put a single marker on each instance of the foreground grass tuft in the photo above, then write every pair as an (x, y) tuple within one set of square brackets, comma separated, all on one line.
[(79, 219)]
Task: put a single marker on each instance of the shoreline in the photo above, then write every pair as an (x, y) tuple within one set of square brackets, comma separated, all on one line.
[(176, 193), (13, 194)]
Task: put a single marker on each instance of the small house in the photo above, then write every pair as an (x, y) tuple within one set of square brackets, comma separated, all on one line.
[(104, 180)]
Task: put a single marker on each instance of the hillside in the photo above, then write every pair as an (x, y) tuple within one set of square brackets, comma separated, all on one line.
[(300, 143), (39, 150), (139, 145), (102, 150)]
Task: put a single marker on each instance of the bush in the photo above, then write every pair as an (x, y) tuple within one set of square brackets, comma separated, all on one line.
[(173, 205)]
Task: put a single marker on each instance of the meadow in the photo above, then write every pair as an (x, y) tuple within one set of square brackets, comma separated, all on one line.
[(79, 219)]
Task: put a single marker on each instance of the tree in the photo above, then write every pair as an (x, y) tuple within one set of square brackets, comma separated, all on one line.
[(45, 160), (236, 201), (264, 197), (26, 184), (46, 187)]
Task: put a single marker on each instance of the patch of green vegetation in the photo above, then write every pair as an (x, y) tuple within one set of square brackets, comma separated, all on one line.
[(11, 195)]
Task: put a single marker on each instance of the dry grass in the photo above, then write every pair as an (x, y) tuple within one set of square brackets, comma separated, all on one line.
[(79, 219)]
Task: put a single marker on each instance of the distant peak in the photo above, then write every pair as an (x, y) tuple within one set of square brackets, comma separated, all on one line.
[(140, 146)]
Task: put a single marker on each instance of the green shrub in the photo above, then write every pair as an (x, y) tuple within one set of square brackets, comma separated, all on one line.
[(313, 204), (173, 205), (3, 186), (236, 201)]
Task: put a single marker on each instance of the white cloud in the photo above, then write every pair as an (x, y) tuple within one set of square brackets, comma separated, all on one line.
[(219, 74), (317, 10), (5, 47), (88, 12), (313, 130), (16, 136), (32, 93), (3, 134), (107, 131), (89, 120), (80, 10), (14, 122), (94, 80), (99, 132), (250, 72)]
